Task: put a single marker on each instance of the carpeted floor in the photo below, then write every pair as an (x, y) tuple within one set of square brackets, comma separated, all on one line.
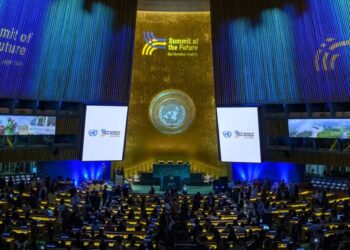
[(143, 189)]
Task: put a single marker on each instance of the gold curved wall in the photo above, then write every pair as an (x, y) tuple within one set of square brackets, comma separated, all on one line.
[(160, 69)]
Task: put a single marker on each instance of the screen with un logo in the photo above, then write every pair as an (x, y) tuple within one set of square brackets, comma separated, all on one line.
[(239, 134), (104, 133)]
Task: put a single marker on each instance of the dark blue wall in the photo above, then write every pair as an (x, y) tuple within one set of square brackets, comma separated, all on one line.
[(77, 170), (72, 52), (272, 170), (281, 51)]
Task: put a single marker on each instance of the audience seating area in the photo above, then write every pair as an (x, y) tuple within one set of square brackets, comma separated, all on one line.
[(252, 216), (339, 184)]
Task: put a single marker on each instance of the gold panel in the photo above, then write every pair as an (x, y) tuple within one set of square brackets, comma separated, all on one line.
[(158, 67)]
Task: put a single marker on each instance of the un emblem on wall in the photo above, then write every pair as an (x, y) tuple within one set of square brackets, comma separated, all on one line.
[(172, 111)]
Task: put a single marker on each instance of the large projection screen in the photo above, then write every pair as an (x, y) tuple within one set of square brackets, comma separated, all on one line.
[(27, 125), (104, 133), (239, 134), (319, 128)]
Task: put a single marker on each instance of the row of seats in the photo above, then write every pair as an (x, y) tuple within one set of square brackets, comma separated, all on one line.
[(18, 178), (330, 183)]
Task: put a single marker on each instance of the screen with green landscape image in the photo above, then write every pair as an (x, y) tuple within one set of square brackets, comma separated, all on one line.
[(319, 128)]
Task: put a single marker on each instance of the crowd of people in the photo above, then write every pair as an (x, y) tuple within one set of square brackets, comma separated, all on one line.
[(240, 218)]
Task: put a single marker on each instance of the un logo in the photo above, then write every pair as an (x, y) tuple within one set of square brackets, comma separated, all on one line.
[(172, 114), (227, 134), (172, 111), (93, 132)]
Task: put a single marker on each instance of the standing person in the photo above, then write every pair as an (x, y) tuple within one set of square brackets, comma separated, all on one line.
[(32, 183), (34, 235), (10, 183), (2, 184), (43, 192), (175, 205), (211, 200), (184, 189), (296, 191), (151, 191), (254, 192), (196, 201), (95, 201), (51, 196), (104, 195), (21, 242), (75, 200), (48, 182), (21, 187), (60, 208)]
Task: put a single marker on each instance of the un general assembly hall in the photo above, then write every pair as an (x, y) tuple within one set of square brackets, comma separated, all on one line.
[(175, 124)]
